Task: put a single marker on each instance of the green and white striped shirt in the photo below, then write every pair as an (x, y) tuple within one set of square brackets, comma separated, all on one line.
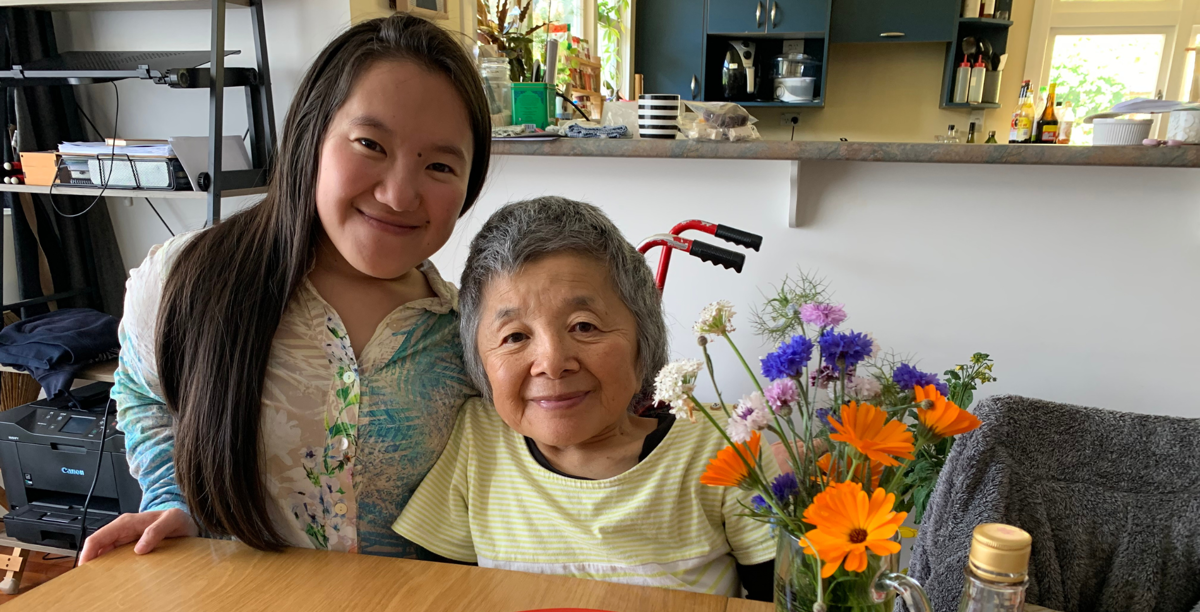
[(488, 501)]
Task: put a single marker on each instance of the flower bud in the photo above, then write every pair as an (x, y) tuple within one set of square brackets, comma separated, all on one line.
[(702, 340), (926, 404)]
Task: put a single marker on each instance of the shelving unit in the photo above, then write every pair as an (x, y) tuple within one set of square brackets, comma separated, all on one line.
[(174, 69), (995, 31), (97, 372), (112, 192), (177, 70)]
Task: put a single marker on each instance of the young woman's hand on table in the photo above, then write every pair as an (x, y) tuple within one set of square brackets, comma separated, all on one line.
[(147, 528)]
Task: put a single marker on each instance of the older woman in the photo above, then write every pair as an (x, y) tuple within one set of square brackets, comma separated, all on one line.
[(552, 472)]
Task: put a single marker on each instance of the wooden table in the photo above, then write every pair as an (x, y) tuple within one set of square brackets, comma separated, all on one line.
[(197, 574)]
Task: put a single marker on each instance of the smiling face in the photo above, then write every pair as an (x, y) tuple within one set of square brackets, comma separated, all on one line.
[(560, 349), (394, 168)]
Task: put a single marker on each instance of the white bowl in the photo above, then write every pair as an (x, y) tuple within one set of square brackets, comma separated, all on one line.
[(1117, 132)]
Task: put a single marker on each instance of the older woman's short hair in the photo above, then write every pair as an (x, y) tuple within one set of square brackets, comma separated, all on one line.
[(523, 232)]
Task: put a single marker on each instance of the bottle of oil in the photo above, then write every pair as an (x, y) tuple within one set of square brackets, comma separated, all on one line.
[(1046, 130), (997, 569), (1013, 133), (1025, 121)]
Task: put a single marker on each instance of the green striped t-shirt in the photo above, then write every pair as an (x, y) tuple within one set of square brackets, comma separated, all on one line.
[(487, 501)]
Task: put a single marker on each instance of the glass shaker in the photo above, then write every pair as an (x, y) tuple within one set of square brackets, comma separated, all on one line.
[(997, 570), (498, 87)]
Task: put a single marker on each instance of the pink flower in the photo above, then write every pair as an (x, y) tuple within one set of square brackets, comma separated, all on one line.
[(863, 387), (750, 414), (822, 315), (781, 393)]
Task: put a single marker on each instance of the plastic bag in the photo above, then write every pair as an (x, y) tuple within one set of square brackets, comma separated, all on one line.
[(718, 121)]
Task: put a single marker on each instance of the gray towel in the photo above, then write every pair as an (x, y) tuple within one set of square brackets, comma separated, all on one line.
[(1111, 499)]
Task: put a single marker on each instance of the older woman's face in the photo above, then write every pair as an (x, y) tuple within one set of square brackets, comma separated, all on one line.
[(560, 349)]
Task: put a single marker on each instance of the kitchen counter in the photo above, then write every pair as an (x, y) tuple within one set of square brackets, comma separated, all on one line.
[(1048, 155)]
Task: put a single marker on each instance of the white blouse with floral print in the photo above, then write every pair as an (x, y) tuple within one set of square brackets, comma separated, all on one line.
[(346, 438)]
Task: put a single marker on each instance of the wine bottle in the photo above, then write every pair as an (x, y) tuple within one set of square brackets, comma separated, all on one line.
[(1046, 130)]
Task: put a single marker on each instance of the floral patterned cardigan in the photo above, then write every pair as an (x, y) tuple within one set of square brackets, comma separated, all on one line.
[(345, 440)]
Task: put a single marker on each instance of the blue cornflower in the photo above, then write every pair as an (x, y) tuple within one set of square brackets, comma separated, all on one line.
[(825, 416), (844, 350), (760, 504), (789, 360), (784, 487), (908, 377)]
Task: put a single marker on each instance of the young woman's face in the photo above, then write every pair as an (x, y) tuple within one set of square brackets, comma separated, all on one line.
[(394, 167)]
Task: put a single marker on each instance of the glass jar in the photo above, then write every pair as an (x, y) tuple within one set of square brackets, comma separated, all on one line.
[(497, 85), (872, 590)]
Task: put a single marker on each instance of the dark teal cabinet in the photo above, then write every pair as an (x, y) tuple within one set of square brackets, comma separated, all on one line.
[(736, 16), (670, 47), (893, 20), (798, 16)]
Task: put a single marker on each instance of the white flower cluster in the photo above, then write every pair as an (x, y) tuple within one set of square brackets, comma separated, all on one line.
[(751, 414), (716, 318), (674, 383)]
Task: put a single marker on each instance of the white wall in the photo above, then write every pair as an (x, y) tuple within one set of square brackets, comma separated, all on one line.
[(296, 32), (1080, 282)]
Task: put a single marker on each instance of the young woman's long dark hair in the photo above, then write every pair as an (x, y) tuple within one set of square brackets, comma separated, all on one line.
[(225, 295)]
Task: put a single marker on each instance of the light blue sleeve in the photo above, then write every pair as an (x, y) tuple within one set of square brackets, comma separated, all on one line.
[(141, 412), (149, 435)]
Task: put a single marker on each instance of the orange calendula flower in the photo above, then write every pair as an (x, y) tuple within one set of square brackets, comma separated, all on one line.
[(727, 469), (849, 523), (859, 474), (867, 429), (945, 419)]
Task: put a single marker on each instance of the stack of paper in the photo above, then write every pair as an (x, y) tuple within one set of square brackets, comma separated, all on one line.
[(102, 148)]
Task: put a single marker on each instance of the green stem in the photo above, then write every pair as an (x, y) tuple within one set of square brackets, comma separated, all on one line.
[(753, 468), (713, 377), (743, 360)]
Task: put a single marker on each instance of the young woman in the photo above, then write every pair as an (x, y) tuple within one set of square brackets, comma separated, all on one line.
[(289, 376)]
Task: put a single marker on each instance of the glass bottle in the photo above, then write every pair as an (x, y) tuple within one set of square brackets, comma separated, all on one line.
[(1045, 131), (997, 570), (1066, 120), (497, 85), (991, 139)]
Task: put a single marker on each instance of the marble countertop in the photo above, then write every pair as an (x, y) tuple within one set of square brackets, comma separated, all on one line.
[(1054, 155)]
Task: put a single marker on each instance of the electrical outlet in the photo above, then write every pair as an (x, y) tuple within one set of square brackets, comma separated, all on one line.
[(976, 118), (787, 119), (793, 46)]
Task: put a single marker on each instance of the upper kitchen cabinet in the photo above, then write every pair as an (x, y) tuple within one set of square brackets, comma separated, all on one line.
[(670, 47), (798, 16), (734, 16), (893, 20)]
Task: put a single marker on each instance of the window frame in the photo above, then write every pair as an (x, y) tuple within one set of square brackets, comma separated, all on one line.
[(1177, 19)]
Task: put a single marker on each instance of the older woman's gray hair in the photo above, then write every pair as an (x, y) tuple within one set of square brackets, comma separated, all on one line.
[(523, 232)]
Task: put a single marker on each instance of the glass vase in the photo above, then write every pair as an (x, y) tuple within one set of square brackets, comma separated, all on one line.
[(872, 590)]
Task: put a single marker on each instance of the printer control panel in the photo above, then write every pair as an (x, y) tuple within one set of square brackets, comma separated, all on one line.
[(71, 424)]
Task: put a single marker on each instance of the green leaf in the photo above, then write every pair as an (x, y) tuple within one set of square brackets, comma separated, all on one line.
[(342, 428), (921, 497)]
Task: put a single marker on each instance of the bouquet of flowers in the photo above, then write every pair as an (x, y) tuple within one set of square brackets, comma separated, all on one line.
[(865, 435)]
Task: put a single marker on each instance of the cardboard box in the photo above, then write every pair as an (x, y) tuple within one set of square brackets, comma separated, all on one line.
[(40, 167)]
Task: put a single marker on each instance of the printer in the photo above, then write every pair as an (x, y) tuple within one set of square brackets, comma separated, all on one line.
[(48, 458)]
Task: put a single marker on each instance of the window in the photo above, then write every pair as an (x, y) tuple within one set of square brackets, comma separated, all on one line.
[(1101, 52), (603, 23), (1094, 72), (1191, 71)]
